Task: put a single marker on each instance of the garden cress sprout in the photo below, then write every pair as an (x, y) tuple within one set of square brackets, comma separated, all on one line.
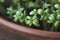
[(22, 17), (49, 13), (10, 11), (19, 14), (34, 12), (32, 21), (16, 16)]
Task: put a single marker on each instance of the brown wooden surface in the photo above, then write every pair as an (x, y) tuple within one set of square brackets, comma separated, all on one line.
[(11, 31), (8, 35), (14, 35)]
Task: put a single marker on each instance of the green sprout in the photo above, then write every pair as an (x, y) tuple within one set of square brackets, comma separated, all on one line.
[(56, 6), (40, 11), (18, 14), (44, 14), (10, 11), (34, 12), (48, 12), (56, 23), (51, 18), (58, 17), (22, 17), (32, 21), (31, 4)]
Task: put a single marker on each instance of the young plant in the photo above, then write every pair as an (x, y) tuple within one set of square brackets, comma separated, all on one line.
[(19, 14), (47, 13), (32, 21), (53, 18), (22, 17), (10, 11), (34, 12)]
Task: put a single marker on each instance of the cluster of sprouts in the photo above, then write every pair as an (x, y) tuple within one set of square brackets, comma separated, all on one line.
[(49, 13)]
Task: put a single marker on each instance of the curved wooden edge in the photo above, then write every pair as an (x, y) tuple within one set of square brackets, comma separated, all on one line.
[(24, 29)]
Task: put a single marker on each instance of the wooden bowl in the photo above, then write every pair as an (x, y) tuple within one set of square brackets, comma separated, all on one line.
[(12, 31)]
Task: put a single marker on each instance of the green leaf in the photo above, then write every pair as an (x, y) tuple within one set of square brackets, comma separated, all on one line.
[(28, 17), (50, 21), (31, 4), (45, 18), (28, 20), (22, 17), (40, 11), (16, 1), (34, 12), (46, 5), (46, 11), (16, 18), (56, 6), (31, 13), (10, 11), (56, 24), (36, 23), (42, 17), (58, 17), (51, 17), (2, 1), (58, 0), (21, 9)]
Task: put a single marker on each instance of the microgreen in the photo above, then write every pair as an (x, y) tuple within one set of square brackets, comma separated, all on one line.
[(32, 20), (48, 12), (10, 11)]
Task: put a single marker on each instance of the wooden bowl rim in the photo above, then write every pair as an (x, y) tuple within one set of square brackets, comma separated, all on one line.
[(32, 31)]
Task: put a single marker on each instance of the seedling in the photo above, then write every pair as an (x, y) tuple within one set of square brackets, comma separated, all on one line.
[(48, 12)]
